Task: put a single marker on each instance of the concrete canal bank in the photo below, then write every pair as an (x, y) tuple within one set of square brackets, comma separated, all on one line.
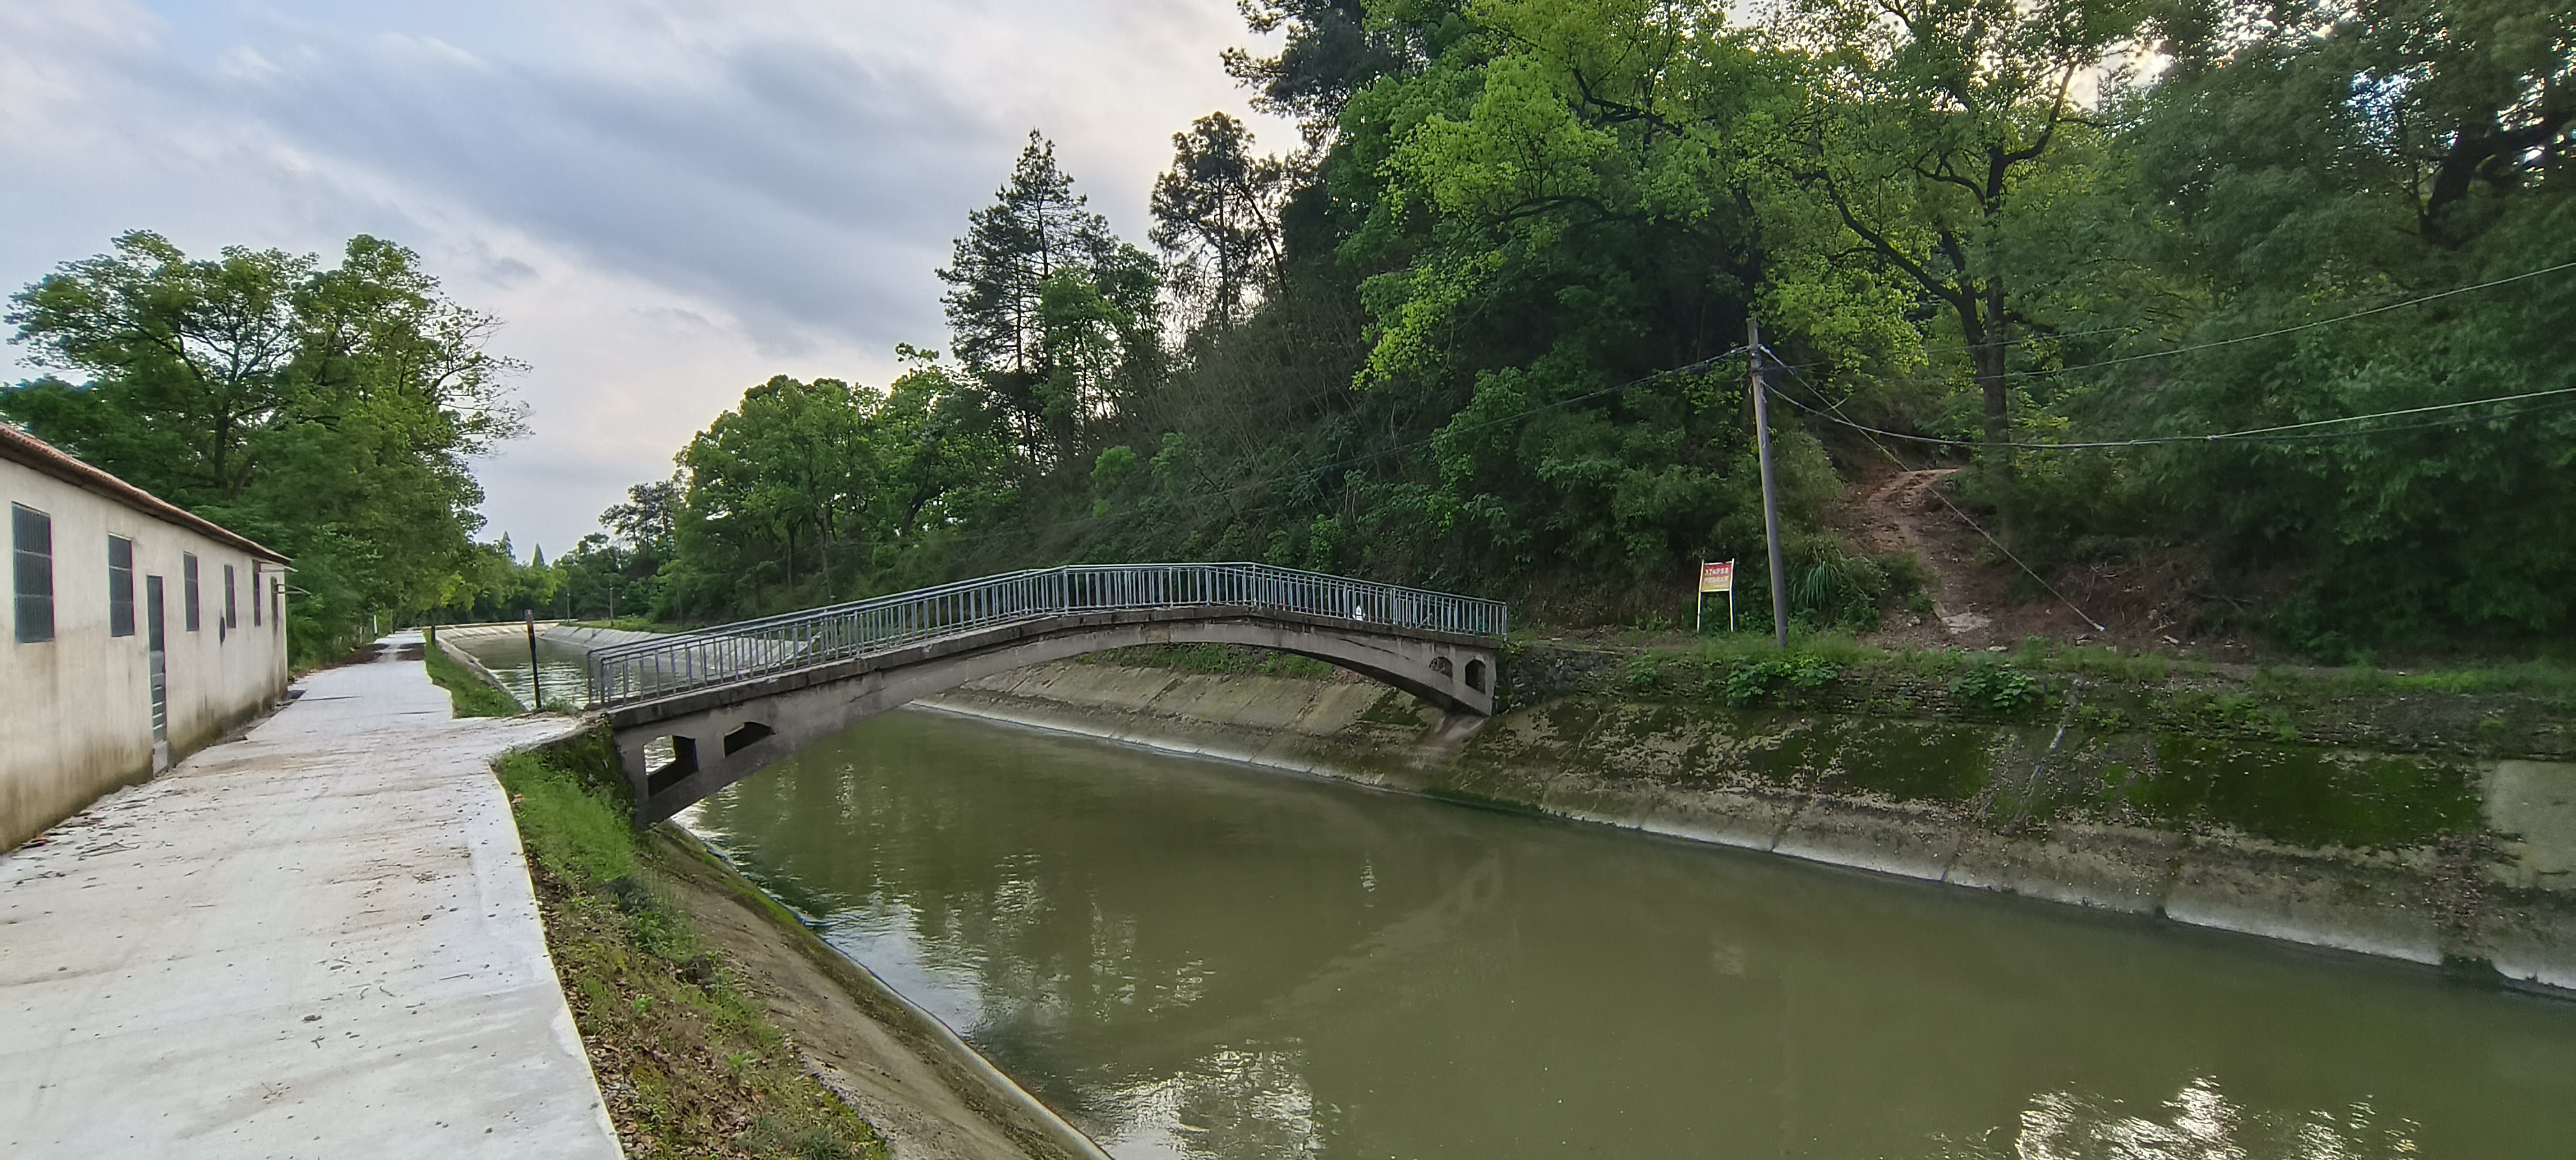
[(2425, 854), (922, 1088), (316, 940)]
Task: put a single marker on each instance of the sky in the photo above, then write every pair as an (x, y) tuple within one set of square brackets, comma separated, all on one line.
[(664, 202)]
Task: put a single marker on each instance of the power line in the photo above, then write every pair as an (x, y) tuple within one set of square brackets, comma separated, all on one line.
[(1797, 368), (1964, 518), (2274, 434), (2274, 333)]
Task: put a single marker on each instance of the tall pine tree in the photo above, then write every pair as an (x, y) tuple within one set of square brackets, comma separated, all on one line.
[(1052, 314)]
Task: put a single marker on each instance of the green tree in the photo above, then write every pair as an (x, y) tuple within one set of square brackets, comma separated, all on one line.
[(1949, 139), (330, 412), (1216, 219), (648, 520), (781, 479), (2299, 164), (1051, 313), (1329, 50)]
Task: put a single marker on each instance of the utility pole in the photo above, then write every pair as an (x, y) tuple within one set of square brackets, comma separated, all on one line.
[(536, 683), (1770, 491)]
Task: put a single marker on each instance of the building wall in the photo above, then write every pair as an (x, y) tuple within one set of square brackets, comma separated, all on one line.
[(78, 709)]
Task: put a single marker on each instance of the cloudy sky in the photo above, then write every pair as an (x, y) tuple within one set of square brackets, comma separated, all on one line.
[(666, 202)]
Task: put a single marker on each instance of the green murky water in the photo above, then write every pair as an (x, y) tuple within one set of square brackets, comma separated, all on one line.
[(1194, 958), (562, 672)]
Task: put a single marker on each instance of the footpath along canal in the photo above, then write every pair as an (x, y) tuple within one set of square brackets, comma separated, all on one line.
[(1190, 957), (316, 939)]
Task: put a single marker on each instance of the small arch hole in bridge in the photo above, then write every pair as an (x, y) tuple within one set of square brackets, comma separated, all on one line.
[(1441, 666), (749, 734), (667, 759), (1476, 675)]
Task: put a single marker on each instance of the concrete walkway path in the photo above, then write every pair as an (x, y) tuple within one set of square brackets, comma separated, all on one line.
[(318, 940)]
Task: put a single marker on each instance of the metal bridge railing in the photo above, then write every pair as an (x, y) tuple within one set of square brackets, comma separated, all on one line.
[(752, 648)]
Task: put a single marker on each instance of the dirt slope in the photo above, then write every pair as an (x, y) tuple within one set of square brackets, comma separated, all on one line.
[(2148, 601)]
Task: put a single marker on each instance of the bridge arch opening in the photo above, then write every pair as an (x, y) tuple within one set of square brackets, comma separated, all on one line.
[(749, 734), (1476, 675), (669, 760)]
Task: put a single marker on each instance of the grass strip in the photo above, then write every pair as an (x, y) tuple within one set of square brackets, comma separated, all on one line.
[(685, 1054), (471, 695)]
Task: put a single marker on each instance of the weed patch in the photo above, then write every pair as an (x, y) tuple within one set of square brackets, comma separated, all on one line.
[(469, 694), (2000, 689), (1750, 683)]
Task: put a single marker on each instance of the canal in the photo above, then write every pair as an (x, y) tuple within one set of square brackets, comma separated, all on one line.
[(562, 671), (1195, 958)]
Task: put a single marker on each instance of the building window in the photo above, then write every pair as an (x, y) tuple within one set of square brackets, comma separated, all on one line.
[(120, 586), (31, 543), (188, 575), (232, 605), (254, 596), (277, 601)]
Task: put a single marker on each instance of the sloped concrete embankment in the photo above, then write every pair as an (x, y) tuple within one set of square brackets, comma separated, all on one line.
[(585, 637), (922, 1087), (452, 641), (577, 636), (457, 642), (2459, 862)]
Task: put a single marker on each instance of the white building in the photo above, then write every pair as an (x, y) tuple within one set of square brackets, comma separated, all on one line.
[(137, 633)]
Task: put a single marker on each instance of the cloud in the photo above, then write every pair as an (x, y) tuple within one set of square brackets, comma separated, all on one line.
[(666, 202)]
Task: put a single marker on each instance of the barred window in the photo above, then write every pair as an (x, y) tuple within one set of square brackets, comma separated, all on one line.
[(31, 543), (188, 575), (232, 603), (120, 586)]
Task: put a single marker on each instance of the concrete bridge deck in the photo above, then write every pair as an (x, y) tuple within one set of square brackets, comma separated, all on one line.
[(318, 940), (720, 703)]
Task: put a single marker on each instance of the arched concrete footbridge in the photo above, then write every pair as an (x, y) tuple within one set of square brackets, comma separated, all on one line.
[(733, 698)]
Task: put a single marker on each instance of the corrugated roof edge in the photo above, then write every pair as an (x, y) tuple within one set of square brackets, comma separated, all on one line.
[(24, 449)]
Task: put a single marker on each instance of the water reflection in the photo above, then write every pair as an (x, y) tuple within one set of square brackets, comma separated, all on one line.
[(1189, 958), (561, 669), (2198, 1121)]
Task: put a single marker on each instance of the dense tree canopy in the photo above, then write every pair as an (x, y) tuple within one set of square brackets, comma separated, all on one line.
[(329, 412), (1483, 327)]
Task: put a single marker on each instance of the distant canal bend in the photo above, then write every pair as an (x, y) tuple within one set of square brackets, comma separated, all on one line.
[(1193, 958)]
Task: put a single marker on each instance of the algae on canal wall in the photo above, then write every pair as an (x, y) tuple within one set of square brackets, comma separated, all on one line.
[(2439, 828)]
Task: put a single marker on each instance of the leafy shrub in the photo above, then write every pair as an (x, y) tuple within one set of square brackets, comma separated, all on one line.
[(1644, 674), (1837, 591), (2000, 688), (1749, 683)]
